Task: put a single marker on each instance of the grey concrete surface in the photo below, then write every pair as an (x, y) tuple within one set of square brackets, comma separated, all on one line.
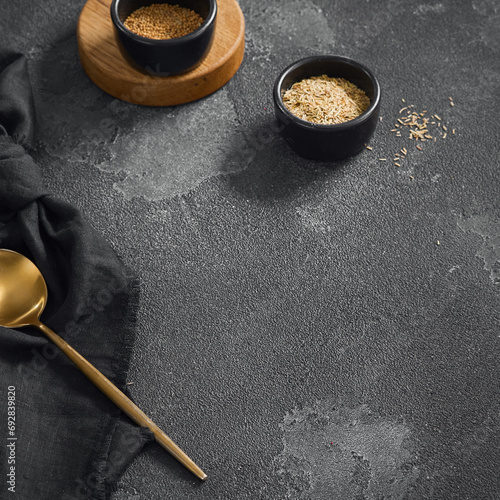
[(306, 330)]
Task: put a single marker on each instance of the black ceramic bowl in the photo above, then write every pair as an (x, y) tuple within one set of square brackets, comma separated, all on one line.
[(327, 142), (165, 57)]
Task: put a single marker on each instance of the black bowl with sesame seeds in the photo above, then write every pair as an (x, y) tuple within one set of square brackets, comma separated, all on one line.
[(327, 139), (164, 42)]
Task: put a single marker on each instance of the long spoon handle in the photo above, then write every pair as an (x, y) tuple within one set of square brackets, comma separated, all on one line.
[(120, 400)]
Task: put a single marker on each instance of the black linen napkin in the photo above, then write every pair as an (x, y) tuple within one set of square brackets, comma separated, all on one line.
[(70, 442)]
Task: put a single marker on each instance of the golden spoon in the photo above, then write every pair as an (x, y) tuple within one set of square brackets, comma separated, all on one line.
[(23, 296)]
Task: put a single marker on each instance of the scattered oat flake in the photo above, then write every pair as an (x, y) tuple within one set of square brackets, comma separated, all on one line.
[(438, 242), (397, 164), (382, 159), (369, 147)]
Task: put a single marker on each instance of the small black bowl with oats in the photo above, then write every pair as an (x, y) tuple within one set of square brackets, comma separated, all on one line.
[(327, 107), (162, 38)]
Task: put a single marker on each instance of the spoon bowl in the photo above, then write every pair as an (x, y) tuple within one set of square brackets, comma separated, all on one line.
[(23, 292), (23, 296)]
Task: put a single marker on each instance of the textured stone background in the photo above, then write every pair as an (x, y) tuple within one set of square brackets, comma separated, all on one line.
[(302, 333)]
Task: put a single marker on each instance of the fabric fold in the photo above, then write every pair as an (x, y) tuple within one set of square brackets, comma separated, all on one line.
[(20, 178), (67, 431), (16, 98)]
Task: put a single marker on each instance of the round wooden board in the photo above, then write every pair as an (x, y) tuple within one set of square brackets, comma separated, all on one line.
[(105, 65)]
